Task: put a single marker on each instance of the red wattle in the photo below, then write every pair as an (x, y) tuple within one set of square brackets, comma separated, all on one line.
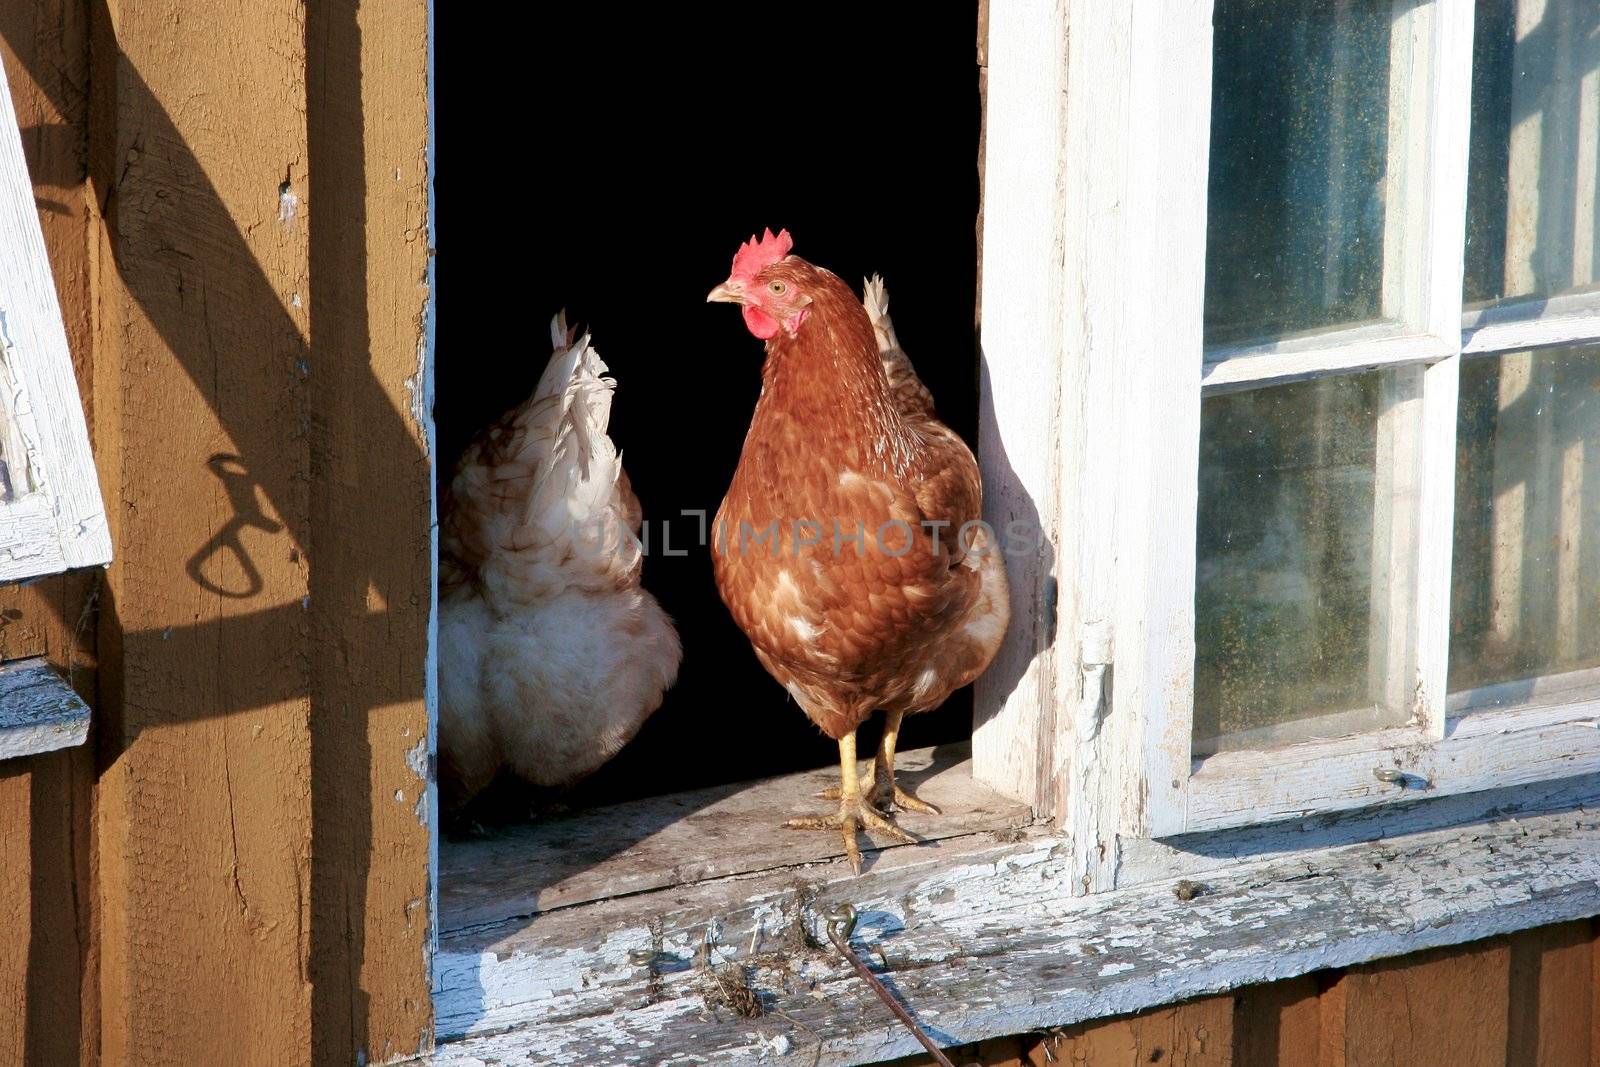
[(760, 323)]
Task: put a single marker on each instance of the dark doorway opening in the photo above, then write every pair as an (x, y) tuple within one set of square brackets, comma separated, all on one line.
[(609, 160)]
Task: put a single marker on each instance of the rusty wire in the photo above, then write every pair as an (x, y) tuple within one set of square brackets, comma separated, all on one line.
[(840, 922)]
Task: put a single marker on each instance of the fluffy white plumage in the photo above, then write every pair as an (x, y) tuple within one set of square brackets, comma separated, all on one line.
[(551, 655)]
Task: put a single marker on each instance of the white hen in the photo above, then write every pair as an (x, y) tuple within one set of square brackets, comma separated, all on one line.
[(551, 655)]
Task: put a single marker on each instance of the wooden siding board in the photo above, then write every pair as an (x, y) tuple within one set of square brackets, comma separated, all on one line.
[(204, 843), (1278, 1024), (16, 917), (266, 696), (1551, 995), (1197, 1033), (1594, 997), (371, 562), (261, 299), (1449, 1006)]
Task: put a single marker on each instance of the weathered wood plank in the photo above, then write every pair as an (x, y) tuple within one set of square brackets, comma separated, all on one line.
[(1195, 856), (1594, 998), (1198, 1033), (1448, 1007), (205, 811), (986, 940), (39, 711), (1021, 425), (16, 917), (689, 837), (1278, 1024), (52, 472), (1552, 991), (263, 396), (371, 510)]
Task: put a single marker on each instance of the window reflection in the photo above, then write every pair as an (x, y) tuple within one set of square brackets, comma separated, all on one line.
[(1525, 596), (1291, 545), (1532, 223), (1299, 183)]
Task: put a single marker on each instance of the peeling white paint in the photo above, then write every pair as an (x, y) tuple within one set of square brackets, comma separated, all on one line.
[(288, 203), (990, 946), (39, 711), (56, 519), (417, 759)]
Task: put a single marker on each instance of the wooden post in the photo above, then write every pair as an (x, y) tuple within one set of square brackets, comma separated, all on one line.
[(263, 841)]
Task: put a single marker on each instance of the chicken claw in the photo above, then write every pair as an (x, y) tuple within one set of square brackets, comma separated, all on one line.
[(854, 814), (905, 801)]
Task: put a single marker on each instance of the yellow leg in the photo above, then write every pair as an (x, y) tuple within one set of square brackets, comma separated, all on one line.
[(854, 810), (884, 787)]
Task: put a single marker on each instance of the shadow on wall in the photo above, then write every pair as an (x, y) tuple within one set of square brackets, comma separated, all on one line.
[(316, 431)]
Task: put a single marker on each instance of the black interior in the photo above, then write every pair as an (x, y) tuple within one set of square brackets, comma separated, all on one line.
[(610, 160)]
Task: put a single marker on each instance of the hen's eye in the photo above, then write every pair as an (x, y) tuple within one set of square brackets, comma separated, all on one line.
[(778, 288)]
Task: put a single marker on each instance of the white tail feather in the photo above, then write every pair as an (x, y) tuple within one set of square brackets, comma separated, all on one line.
[(549, 489), (875, 298)]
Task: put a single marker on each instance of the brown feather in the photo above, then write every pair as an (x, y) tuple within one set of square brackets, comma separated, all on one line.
[(908, 617)]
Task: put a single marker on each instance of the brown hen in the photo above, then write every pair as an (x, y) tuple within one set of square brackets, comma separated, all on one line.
[(850, 547)]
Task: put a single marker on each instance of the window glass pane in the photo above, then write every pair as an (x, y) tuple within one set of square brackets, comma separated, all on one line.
[(1525, 596), (1290, 547), (1532, 225), (1298, 187)]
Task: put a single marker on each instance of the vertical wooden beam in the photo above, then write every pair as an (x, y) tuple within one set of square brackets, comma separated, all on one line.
[(1594, 994), (1197, 1033), (1278, 1024), (1448, 1006), (16, 916), (264, 839), (1024, 384), (371, 568), (1552, 996), (201, 403)]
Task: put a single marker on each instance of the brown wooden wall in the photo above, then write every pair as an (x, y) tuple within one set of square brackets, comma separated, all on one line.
[(1528, 1000), (235, 870)]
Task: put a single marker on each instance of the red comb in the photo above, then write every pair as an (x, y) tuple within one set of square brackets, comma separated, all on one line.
[(754, 256)]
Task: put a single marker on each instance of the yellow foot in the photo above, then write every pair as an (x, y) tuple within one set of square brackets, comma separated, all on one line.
[(854, 813), (884, 794)]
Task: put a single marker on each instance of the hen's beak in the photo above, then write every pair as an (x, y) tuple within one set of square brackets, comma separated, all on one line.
[(724, 294)]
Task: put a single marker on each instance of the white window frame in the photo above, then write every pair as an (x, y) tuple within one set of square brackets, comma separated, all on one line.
[(1110, 312), (56, 519)]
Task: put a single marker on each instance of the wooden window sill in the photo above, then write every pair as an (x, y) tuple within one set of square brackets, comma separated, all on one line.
[(979, 930), (39, 712)]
